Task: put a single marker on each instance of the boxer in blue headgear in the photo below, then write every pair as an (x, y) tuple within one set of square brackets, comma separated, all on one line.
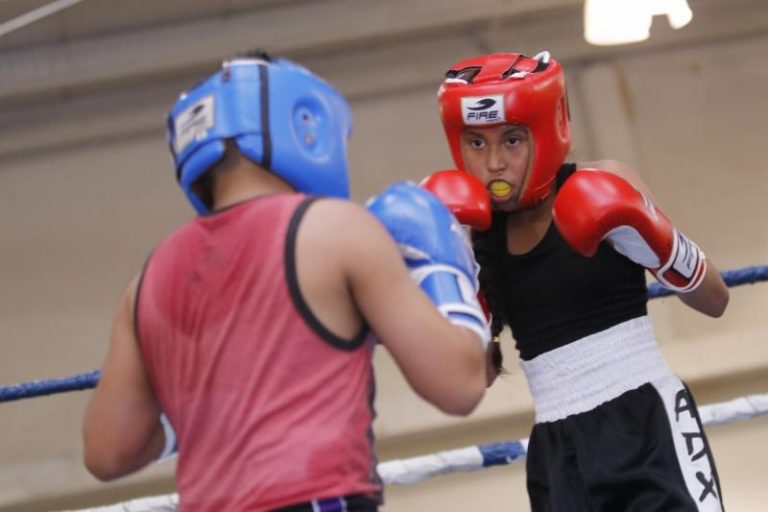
[(280, 115), (250, 325)]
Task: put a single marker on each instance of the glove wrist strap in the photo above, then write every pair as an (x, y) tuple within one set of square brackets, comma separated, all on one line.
[(455, 297)]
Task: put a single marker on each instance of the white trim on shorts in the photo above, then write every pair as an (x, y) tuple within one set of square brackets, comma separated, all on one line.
[(691, 447), (593, 370), (580, 376)]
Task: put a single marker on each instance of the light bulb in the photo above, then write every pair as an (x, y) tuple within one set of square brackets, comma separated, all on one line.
[(608, 22), (677, 11)]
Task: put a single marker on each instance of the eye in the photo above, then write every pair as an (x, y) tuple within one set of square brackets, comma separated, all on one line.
[(515, 138), (476, 143)]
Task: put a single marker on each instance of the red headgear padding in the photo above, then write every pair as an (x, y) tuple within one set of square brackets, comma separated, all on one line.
[(509, 88)]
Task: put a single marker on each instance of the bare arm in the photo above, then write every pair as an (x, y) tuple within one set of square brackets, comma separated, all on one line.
[(443, 363), (711, 297), (121, 428)]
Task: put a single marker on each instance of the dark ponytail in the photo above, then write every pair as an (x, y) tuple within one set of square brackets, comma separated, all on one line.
[(489, 247)]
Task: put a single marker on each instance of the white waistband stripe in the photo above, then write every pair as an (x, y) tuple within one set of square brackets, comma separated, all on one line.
[(580, 376)]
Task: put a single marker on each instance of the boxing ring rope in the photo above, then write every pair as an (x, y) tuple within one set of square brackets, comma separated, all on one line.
[(416, 469), (88, 380), (471, 458)]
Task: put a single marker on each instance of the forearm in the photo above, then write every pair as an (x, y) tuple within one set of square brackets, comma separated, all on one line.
[(109, 455), (711, 296), (459, 356), (121, 428)]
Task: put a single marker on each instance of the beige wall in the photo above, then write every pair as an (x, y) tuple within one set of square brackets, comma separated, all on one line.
[(86, 190)]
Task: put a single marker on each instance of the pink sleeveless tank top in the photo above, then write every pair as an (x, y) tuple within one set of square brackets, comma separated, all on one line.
[(270, 408)]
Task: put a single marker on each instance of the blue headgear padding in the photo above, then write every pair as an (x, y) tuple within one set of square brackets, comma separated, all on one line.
[(281, 116)]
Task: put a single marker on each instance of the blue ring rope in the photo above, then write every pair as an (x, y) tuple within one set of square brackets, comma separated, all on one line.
[(501, 454), (88, 380), (34, 388)]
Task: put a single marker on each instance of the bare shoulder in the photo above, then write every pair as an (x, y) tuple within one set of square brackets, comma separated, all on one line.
[(133, 287), (340, 219), (336, 210), (341, 235), (613, 166), (123, 314)]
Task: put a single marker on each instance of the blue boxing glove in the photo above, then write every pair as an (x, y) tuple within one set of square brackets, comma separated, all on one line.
[(436, 251)]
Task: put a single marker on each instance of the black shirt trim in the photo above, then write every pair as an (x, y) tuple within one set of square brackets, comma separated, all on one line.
[(295, 292)]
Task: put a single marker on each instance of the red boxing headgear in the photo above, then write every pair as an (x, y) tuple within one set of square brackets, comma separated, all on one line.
[(509, 88)]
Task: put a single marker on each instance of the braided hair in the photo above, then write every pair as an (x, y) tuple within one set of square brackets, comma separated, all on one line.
[(489, 247)]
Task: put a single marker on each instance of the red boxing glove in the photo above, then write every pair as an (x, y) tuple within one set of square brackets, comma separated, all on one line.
[(464, 195), (594, 205)]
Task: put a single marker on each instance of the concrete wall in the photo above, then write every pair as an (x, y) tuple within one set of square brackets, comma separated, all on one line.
[(86, 190)]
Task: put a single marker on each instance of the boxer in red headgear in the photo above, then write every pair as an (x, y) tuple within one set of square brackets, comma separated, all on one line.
[(563, 265), (490, 91)]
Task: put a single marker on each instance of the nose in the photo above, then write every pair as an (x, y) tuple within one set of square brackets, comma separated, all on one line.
[(496, 161)]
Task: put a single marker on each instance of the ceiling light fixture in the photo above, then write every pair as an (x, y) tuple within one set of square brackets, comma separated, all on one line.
[(609, 22)]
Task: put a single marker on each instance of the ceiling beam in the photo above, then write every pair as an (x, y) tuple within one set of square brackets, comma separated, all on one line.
[(327, 26), (387, 61)]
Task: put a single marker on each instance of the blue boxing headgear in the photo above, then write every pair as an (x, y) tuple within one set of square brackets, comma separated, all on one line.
[(280, 115)]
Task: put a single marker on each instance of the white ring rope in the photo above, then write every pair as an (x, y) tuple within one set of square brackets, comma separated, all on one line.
[(471, 458)]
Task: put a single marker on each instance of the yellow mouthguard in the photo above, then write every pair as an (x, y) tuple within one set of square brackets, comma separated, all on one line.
[(500, 188)]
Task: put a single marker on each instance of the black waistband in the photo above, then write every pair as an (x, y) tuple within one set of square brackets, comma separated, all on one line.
[(351, 503)]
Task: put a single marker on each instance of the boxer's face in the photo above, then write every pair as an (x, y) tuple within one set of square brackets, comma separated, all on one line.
[(499, 156)]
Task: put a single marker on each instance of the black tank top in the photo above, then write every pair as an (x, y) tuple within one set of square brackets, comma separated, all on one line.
[(554, 296)]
